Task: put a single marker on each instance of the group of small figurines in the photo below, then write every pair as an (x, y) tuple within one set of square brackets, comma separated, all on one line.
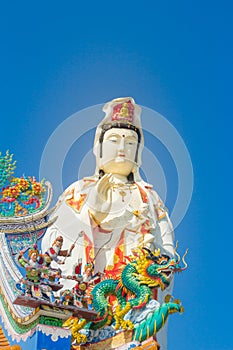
[(42, 282)]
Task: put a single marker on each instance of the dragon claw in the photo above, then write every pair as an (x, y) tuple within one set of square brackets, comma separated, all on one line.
[(80, 338), (119, 318), (167, 298), (123, 324), (75, 325)]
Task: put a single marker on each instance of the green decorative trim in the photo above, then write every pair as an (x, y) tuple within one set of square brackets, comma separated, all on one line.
[(20, 329), (50, 321)]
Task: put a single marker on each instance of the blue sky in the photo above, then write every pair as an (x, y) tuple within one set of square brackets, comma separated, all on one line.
[(174, 57)]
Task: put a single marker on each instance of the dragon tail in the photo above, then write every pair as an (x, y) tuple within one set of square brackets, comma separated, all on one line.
[(155, 321)]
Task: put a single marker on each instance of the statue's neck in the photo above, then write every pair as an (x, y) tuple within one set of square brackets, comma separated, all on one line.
[(119, 178)]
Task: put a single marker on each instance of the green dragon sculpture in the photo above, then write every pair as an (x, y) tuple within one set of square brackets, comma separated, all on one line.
[(131, 289)]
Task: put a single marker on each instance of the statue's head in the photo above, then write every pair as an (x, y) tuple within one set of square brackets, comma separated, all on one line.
[(119, 138)]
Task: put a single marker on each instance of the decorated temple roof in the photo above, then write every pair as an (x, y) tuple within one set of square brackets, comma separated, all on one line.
[(19, 196)]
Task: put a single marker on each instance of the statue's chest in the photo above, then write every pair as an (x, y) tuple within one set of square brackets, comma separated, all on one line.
[(124, 196)]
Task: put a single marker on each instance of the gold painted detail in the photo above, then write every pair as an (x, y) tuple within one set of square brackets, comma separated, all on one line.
[(124, 112), (75, 325), (118, 340), (17, 319), (96, 221), (4, 343), (160, 210), (119, 317)]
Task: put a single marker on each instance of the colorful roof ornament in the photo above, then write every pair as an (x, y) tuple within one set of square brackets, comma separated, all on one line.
[(19, 196)]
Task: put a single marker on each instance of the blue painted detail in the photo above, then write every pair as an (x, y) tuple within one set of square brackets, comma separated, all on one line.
[(45, 342), (40, 341)]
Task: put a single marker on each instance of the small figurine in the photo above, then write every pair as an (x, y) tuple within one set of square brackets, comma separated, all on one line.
[(36, 282), (84, 285), (33, 255), (67, 297), (55, 250)]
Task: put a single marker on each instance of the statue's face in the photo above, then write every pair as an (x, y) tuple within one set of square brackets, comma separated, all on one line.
[(58, 243), (119, 149), (34, 257)]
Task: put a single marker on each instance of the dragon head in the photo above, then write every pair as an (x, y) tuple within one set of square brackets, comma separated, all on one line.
[(156, 269)]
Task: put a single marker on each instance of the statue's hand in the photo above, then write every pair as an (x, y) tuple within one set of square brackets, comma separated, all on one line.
[(101, 195), (100, 198), (103, 188), (72, 247)]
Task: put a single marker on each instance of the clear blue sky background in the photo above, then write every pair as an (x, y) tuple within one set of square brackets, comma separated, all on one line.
[(172, 56)]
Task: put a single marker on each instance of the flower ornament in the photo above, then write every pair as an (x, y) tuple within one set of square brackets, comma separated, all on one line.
[(37, 188), (19, 196), (12, 192), (23, 184)]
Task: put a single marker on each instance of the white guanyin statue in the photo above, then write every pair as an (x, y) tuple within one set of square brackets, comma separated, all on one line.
[(108, 214)]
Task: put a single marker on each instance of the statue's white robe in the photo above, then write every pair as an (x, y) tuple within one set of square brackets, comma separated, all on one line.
[(137, 216)]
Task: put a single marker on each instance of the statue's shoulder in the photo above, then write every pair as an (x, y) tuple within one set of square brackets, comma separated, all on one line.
[(146, 186), (150, 191), (77, 187)]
